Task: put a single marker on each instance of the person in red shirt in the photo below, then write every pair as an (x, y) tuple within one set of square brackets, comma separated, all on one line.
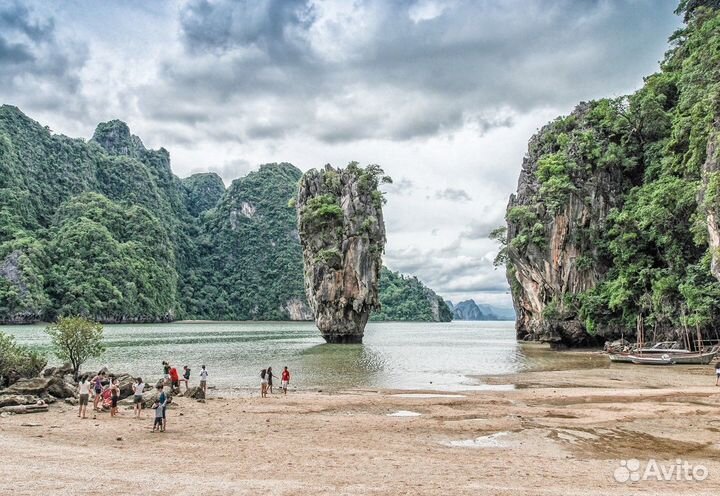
[(285, 379), (174, 378)]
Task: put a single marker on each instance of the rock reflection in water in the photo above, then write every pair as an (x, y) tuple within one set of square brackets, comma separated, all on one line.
[(348, 365)]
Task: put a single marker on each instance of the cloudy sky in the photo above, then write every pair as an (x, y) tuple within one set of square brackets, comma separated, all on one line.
[(443, 94)]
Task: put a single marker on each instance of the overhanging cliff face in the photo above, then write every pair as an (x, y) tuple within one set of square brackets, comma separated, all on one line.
[(551, 232), (342, 233)]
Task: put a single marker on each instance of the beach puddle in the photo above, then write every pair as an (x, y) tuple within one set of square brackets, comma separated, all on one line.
[(489, 441), (428, 395), (404, 413)]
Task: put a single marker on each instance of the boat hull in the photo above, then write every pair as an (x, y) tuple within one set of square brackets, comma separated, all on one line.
[(665, 359), (694, 359)]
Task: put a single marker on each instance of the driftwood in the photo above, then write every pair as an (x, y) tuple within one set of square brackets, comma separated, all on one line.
[(20, 409)]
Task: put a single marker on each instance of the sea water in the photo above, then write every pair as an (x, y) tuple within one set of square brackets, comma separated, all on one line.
[(407, 355)]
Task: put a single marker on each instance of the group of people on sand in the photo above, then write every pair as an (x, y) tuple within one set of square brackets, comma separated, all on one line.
[(102, 388), (266, 381), (171, 375)]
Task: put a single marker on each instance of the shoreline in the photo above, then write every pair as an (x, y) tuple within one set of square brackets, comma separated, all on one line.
[(558, 432)]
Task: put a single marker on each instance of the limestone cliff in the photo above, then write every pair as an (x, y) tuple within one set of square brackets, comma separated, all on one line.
[(342, 234), (551, 255), (115, 138)]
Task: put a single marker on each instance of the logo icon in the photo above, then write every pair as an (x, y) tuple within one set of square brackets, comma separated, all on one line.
[(632, 470)]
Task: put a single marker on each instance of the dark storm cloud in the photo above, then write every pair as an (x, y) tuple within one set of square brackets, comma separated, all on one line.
[(377, 69), (37, 70), (453, 194), (267, 24)]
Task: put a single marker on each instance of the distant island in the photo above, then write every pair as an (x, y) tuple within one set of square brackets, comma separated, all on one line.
[(469, 310)]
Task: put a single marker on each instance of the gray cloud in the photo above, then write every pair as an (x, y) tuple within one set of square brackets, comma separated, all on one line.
[(37, 70), (452, 194), (481, 228), (376, 69), (232, 169), (399, 187)]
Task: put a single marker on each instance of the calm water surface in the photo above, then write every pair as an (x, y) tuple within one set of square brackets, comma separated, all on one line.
[(393, 355)]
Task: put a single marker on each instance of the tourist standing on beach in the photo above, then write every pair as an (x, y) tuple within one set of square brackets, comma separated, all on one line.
[(717, 373), (285, 379), (263, 383), (174, 379), (115, 395), (97, 388), (203, 379), (186, 377), (270, 376), (138, 388), (166, 370), (84, 392)]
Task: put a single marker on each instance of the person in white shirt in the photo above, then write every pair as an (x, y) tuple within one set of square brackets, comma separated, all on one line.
[(203, 379), (138, 388), (84, 390)]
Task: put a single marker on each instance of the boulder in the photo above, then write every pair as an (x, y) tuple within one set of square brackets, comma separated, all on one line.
[(39, 386), (195, 393), (39, 407), (617, 345), (18, 399), (60, 371)]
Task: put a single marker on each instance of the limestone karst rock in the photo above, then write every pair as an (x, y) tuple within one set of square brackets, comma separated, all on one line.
[(342, 233), (545, 244)]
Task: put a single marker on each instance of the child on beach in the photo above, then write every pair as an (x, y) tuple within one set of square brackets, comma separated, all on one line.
[(84, 391), (285, 379), (203, 379), (162, 405), (158, 425), (263, 383), (115, 393)]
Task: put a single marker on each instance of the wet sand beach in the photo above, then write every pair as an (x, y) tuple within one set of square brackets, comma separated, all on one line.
[(557, 433)]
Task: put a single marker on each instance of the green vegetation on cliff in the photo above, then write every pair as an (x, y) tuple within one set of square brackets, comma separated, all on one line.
[(643, 169), (104, 229), (251, 263)]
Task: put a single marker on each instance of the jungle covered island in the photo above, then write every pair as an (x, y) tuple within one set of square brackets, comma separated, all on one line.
[(104, 229), (342, 233), (615, 227), (404, 296)]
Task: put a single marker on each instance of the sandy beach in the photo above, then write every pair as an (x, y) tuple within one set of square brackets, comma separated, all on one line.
[(558, 433)]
